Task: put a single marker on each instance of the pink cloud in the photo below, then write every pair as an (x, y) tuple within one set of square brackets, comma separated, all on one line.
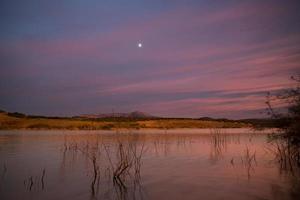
[(215, 107), (184, 52)]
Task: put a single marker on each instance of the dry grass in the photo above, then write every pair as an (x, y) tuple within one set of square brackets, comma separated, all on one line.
[(188, 123), (10, 122)]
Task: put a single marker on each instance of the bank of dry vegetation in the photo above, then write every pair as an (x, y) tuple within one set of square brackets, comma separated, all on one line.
[(10, 121)]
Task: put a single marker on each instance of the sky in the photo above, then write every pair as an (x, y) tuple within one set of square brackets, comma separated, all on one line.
[(199, 58)]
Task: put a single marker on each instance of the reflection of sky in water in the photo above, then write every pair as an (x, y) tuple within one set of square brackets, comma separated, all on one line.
[(173, 166)]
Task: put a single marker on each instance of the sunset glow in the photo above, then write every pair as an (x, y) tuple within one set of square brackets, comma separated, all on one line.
[(201, 58)]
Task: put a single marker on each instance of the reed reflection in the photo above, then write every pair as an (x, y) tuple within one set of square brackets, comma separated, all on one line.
[(113, 165), (136, 166)]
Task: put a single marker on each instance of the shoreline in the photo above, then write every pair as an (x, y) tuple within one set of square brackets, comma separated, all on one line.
[(8, 122), (204, 131)]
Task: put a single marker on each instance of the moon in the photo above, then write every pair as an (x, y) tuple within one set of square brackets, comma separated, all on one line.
[(140, 45)]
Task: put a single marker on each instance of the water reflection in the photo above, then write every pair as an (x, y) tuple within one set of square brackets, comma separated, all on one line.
[(35, 182), (287, 156), (145, 166), (115, 164), (219, 142)]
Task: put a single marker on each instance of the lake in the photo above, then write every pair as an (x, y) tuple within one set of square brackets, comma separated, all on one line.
[(179, 164)]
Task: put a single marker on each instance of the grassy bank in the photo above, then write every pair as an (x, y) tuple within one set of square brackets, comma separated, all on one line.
[(10, 122)]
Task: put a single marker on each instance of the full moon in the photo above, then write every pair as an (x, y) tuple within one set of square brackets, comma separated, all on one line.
[(140, 45)]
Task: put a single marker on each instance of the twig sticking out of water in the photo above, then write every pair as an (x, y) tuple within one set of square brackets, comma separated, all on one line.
[(42, 179), (4, 170), (30, 183), (218, 143), (34, 182), (96, 174), (124, 161), (287, 156), (232, 162), (248, 160)]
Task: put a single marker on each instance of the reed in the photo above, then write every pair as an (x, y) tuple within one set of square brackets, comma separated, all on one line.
[(120, 163), (218, 143), (42, 178), (249, 161), (286, 155)]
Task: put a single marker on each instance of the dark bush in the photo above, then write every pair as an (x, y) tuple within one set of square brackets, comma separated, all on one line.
[(16, 114)]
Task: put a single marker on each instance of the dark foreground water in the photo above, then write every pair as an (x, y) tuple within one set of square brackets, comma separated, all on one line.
[(182, 165)]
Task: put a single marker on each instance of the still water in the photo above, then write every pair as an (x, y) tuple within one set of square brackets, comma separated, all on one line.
[(211, 164)]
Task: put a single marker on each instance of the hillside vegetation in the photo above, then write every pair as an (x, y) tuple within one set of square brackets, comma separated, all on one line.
[(10, 121)]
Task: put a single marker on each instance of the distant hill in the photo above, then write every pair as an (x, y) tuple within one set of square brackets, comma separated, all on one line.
[(137, 119), (132, 120), (135, 115)]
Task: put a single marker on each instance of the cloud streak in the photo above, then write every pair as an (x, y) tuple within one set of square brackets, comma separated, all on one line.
[(198, 58)]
